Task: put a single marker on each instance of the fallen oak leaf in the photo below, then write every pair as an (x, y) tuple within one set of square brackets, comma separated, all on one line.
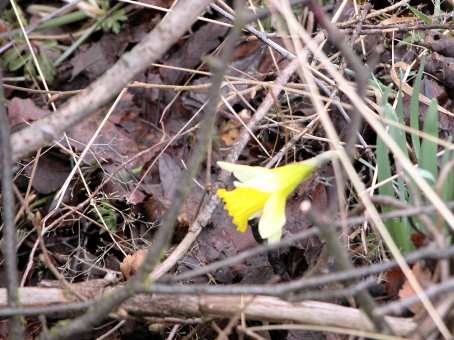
[(424, 277), (131, 263), (229, 132), (441, 67), (23, 111), (440, 43)]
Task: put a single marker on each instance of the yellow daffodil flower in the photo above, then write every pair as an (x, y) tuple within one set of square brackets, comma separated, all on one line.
[(263, 192)]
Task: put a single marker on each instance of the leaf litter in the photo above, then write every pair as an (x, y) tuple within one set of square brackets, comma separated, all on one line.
[(147, 117)]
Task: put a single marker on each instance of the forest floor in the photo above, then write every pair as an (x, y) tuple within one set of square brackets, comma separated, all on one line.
[(118, 114)]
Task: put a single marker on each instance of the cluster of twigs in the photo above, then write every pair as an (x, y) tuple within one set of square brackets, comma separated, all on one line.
[(151, 290)]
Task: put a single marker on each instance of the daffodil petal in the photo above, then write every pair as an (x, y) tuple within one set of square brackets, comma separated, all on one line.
[(242, 203), (243, 172), (261, 191), (273, 217), (275, 237), (267, 182), (291, 175)]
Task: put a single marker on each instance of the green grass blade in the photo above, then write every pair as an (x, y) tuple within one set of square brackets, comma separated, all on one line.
[(397, 134), (420, 15), (62, 20), (428, 156), (400, 108), (400, 230), (414, 111), (448, 185)]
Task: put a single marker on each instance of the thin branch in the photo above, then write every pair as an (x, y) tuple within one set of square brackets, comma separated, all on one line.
[(302, 284), (328, 293), (398, 28), (9, 241), (429, 252), (397, 307), (263, 308), (242, 256), (288, 290), (59, 311), (375, 13), (342, 258)]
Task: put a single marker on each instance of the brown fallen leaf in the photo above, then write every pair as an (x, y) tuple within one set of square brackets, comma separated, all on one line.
[(424, 277), (204, 40), (169, 173), (122, 137), (441, 67), (250, 57), (51, 172), (131, 263), (24, 110), (94, 59), (440, 43), (229, 132), (3, 26), (393, 281)]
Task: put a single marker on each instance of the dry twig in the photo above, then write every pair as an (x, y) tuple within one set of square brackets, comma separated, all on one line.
[(9, 241)]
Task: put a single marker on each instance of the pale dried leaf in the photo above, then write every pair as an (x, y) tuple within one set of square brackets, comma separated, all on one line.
[(131, 263), (424, 277)]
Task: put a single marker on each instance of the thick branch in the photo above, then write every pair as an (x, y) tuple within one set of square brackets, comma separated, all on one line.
[(262, 308)]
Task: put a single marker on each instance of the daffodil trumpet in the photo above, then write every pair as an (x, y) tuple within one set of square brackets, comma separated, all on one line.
[(262, 192)]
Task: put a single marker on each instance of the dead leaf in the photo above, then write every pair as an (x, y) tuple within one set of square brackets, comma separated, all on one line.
[(3, 26), (132, 262), (221, 240), (23, 111), (419, 240), (442, 68), (51, 172), (394, 279), (251, 57), (96, 58), (440, 43), (122, 137), (424, 277), (169, 173), (203, 41), (229, 132)]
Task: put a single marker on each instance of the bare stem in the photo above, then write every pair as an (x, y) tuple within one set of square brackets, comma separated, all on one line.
[(16, 328)]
